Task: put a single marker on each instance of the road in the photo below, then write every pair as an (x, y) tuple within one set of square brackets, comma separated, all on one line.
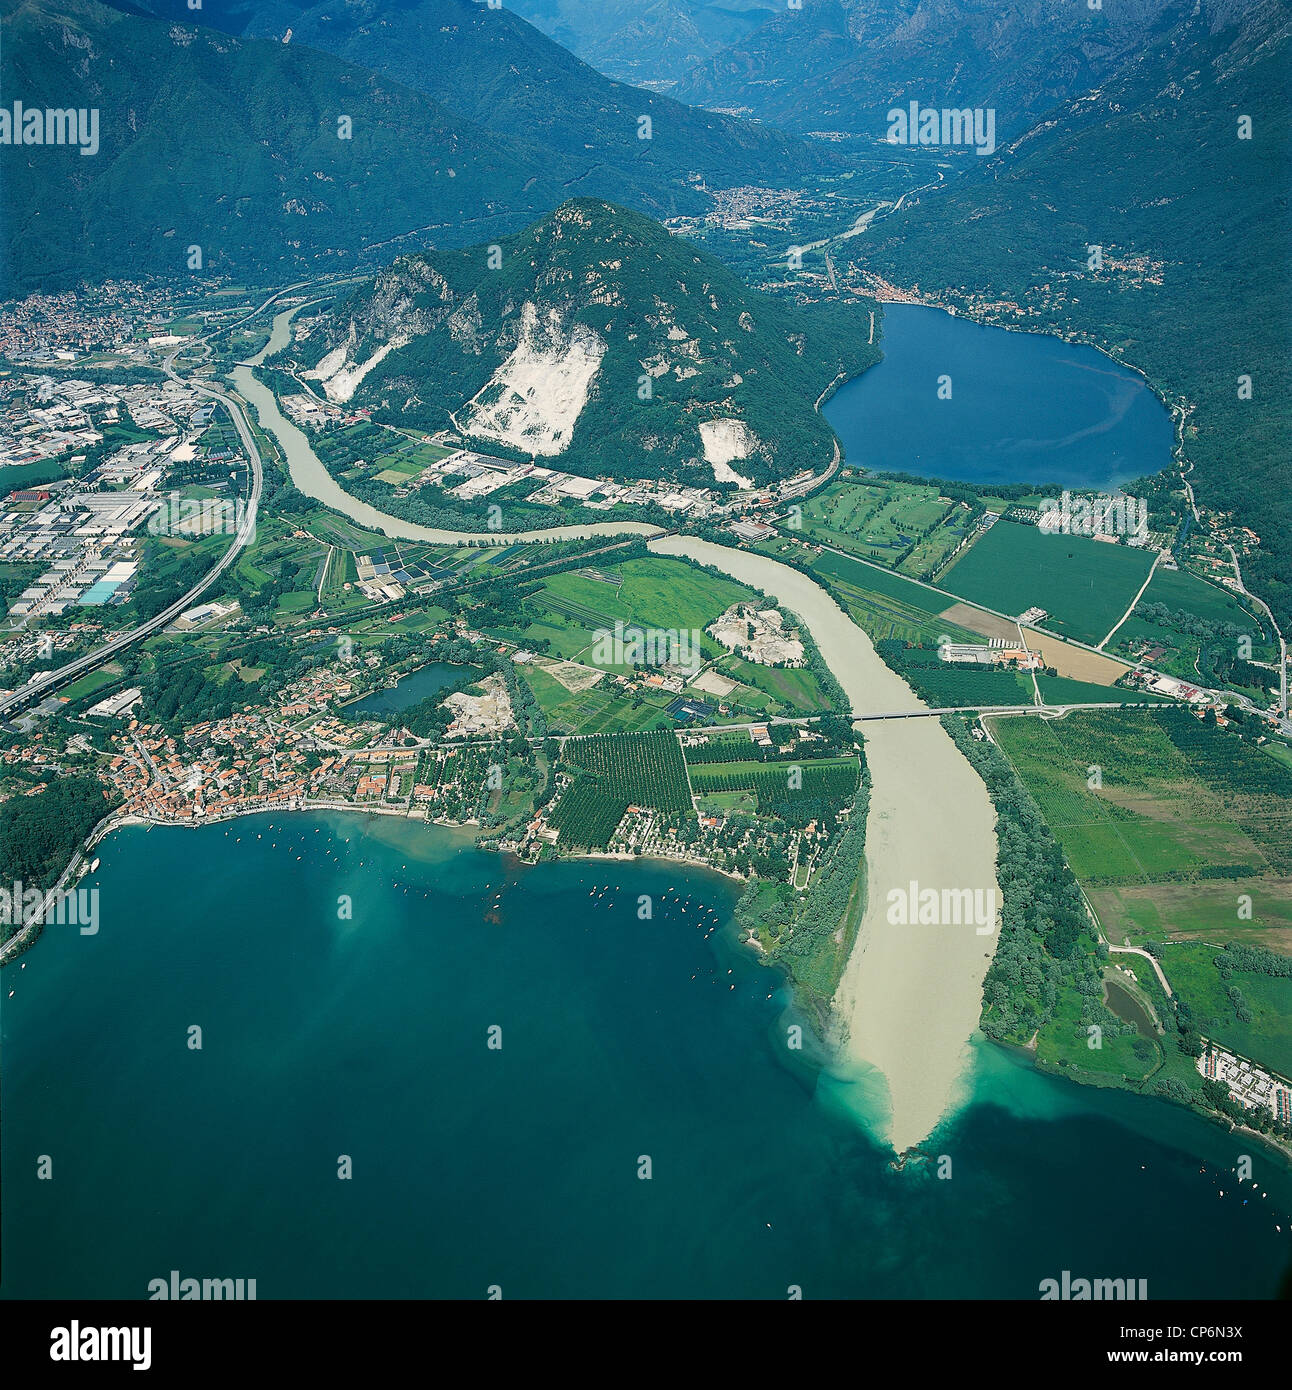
[(1278, 632), (1148, 579), (51, 680), (1152, 960)]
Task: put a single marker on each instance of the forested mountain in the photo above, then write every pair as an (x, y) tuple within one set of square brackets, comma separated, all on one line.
[(492, 68), (232, 146), (841, 64), (596, 337), (1195, 266), (235, 144)]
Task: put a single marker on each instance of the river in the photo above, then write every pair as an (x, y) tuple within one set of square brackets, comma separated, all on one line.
[(312, 478), (911, 994)]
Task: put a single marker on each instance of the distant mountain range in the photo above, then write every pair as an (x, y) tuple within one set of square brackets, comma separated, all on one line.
[(463, 123), (842, 64), (596, 337), (652, 43), (492, 68)]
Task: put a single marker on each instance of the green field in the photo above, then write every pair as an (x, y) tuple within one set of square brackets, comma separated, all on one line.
[(1061, 690), (1167, 823), (904, 525), (1083, 585), (593, 711), (665, 595), (881, 602), (1198, 613), (1064, 1041), (791, 689), (875, 581), (93, 681), (1266, 1036)]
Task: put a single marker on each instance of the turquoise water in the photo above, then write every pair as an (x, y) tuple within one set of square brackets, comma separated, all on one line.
[(518, 1167), (1024, 408), (426, 681)]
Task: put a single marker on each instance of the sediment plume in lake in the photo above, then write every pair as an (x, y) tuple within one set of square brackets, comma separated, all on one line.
[(911, 993)]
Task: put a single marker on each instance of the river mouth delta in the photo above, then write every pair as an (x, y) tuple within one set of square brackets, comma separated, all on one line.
[(908, 1012)]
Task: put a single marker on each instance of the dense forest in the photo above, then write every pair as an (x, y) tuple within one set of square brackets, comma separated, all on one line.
[(39, 834)]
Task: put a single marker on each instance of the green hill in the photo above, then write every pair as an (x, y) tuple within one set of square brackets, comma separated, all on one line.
[(598, 338)]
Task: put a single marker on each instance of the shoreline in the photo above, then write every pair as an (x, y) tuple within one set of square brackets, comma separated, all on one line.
[(25, 938)]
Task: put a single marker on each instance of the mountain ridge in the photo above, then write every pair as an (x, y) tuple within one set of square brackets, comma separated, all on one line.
[(595, 337)]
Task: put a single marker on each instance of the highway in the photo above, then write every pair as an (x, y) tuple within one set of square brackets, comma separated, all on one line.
[(51, 680)]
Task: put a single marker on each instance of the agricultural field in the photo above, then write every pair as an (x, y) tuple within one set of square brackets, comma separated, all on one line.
[(93, 681), (943, 686), (588, 815), (645, 768), (599, 709), (792, 689), (796, 792), (881, 602), (1191, 629), (1169, 824), (1058, 690), (618, 770), (405, 458), (903, 525), (662, 594), (1083, 585), (366, 450)]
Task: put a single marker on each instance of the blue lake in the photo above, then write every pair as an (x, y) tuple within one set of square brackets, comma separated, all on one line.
[(1023, 408), (365, 1035), (426, 681)]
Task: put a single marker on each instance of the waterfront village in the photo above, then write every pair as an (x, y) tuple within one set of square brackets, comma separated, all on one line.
[(310, 749)]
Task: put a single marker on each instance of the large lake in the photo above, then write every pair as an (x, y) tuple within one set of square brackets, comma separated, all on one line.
[(621, 1038), (1024, 407)]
